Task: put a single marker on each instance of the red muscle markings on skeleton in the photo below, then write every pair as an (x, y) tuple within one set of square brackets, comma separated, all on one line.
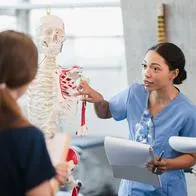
[(73, 160), (68, 79)]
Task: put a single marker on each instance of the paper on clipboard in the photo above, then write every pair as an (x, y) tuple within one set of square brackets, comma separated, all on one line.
[(128, 159), (183, 144)]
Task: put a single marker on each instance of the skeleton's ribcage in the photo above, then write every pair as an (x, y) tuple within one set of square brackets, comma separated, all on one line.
[(47, 108), (67, 114), (67, 106)]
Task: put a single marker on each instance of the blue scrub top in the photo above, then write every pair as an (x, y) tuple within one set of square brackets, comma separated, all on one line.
[(178, 118)]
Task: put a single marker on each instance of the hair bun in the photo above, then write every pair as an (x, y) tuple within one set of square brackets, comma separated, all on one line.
[(181, 77)]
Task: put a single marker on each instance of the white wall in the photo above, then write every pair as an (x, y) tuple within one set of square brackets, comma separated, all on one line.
[(139, 18)]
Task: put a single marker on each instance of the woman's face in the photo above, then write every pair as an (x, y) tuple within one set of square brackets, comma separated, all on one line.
[(156, 73)]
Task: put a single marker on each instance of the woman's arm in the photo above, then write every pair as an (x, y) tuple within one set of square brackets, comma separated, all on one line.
[(90, 95), (102, 109), (49, 188), (181, 162), (194, 155)]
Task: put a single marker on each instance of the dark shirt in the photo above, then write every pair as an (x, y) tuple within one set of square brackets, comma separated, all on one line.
[(24, 160)]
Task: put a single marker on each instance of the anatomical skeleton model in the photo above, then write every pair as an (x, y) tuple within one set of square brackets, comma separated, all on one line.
[(51, 99), (41, 94)]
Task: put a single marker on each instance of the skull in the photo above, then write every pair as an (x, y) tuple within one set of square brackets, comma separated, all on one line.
[(50, 35)]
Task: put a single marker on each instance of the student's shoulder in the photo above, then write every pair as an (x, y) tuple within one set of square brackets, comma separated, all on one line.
[(22, 139), (27, 133), (32, 132)]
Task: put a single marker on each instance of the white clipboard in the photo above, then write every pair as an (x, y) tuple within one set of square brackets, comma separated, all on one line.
[(128, 160)]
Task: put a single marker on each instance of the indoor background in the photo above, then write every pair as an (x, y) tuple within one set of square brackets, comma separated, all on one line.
[(109, 39)]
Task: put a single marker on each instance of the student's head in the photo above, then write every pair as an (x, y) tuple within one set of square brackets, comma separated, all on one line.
[(164, 64), (18, 67)]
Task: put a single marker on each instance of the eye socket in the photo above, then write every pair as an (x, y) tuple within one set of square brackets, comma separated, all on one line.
[(153, 68), (144, 65), (44, 43), (156, 69)]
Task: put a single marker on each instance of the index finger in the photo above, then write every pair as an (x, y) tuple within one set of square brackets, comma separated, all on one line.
[(83, 83)]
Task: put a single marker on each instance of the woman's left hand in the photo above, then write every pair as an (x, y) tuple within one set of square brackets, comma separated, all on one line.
[(157, 166), (63, 173)]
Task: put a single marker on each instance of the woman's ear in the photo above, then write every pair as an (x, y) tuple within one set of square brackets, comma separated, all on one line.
[(174, 74)]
